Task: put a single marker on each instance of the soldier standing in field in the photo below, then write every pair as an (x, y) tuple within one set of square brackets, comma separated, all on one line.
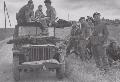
[(51, 12), (90, 22), (98, 39), (83, 37), (73, 36), (90, 25)]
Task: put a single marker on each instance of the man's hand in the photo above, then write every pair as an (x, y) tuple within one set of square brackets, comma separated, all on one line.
[(50, 24), (45, 18), (87, 38)]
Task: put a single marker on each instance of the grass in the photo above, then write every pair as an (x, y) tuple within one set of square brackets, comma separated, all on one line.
[(88, 72)]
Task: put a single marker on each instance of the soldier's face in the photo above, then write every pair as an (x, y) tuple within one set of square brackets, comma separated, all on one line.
[(82, 20), (90, 21), (97, 17), (47, 5), (40, 8), (32, 6)]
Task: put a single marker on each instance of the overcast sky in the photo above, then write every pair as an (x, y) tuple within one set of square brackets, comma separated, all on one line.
[(76, 8)]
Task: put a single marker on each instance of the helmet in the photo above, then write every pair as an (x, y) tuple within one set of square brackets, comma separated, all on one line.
[(30, 1), (40, 6), (88, 17), (96, 13), (47, 1), (81, 18)]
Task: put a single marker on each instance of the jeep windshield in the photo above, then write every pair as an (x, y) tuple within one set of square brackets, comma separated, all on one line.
[(31, 31)]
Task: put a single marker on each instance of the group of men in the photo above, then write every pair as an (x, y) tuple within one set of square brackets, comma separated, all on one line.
[(94, 32), (26, 14)]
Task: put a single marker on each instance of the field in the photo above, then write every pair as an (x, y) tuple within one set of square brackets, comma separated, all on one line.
[(114, 32), (5, 33)]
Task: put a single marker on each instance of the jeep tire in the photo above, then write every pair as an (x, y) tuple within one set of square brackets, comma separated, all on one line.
[(60, 72), (16, 72)]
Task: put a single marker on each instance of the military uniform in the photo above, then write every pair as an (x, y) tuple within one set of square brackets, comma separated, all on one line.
[(72, 42), (24, 14), (91, 28), (99, 37), (38, 16), (83, 35), (51, 13)]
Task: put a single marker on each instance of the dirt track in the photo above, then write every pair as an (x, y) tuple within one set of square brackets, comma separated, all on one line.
[(6, 68)]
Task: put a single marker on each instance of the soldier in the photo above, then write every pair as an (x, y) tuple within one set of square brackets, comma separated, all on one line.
[(90, 25), (39, 16), (39, 13), (26, 13), (84, 28), (51, 12), (98, 40), (90, 22), (30, 14), (83, 37), (72, 41)]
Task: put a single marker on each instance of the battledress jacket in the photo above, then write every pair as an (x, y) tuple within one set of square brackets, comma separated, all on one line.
[(100, 34), (24, 14), (51, 12)]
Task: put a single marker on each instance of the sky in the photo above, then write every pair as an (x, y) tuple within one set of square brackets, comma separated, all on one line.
[(76, 8)]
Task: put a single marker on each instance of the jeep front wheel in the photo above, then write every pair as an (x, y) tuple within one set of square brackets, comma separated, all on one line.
[(16, 72), (60, 72)]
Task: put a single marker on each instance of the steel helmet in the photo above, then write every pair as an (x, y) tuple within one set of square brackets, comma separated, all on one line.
[(96, 13), (47, 1)]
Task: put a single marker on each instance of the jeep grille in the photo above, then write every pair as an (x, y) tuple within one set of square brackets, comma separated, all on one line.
[(36, 53)]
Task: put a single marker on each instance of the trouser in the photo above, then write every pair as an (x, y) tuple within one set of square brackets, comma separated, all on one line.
[(110, 61), (89, 47), (100, 57), (71, 44), (81, 47), (44, 26), (44, 23)]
